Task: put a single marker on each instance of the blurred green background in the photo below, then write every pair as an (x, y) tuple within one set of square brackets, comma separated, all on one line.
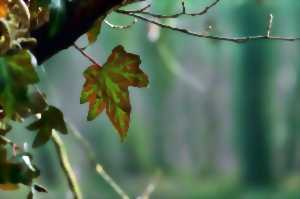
[(219, 120)]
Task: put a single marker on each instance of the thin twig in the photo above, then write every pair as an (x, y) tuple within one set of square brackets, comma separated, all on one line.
[(99, 169), (5, 140), (85, 145), (213, 37), (111, 182), (183, 11), (150, 188), (123, 27), (63, 157), (270, 24), (66, 166)]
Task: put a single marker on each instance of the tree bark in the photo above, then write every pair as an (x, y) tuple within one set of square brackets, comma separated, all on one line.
[(75, 19)]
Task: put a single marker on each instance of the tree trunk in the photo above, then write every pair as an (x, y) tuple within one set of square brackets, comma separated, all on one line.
[(253, 99), (293, 114), (293, 126)]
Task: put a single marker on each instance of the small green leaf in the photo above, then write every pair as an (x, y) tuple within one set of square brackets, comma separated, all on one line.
[(21, 68), (51, 119)]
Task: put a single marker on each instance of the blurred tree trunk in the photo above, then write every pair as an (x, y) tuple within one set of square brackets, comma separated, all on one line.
[(293, 127), (253, 98), (293, 116), (211, 117), (164, 57)]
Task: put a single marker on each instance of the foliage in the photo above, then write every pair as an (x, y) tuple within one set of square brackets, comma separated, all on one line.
[(51, 119), (107, 87), (21, 99)]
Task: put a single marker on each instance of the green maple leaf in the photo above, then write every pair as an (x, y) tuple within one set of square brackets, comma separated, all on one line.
[(107, 88), (21, 68), (17, 72), (51, 119)]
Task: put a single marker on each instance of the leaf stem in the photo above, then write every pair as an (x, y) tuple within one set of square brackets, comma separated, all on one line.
[(86, 55)]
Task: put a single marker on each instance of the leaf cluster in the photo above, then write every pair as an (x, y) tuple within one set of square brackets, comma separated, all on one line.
[(106, 87)]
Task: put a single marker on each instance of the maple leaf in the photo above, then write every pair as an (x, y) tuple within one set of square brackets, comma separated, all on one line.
[(107, 88), (51, 119), (17, 72)]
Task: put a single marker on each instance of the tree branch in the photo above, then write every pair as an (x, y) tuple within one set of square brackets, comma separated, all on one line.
[(183, 11), (242, 39), (79, 16), (66, 166)]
